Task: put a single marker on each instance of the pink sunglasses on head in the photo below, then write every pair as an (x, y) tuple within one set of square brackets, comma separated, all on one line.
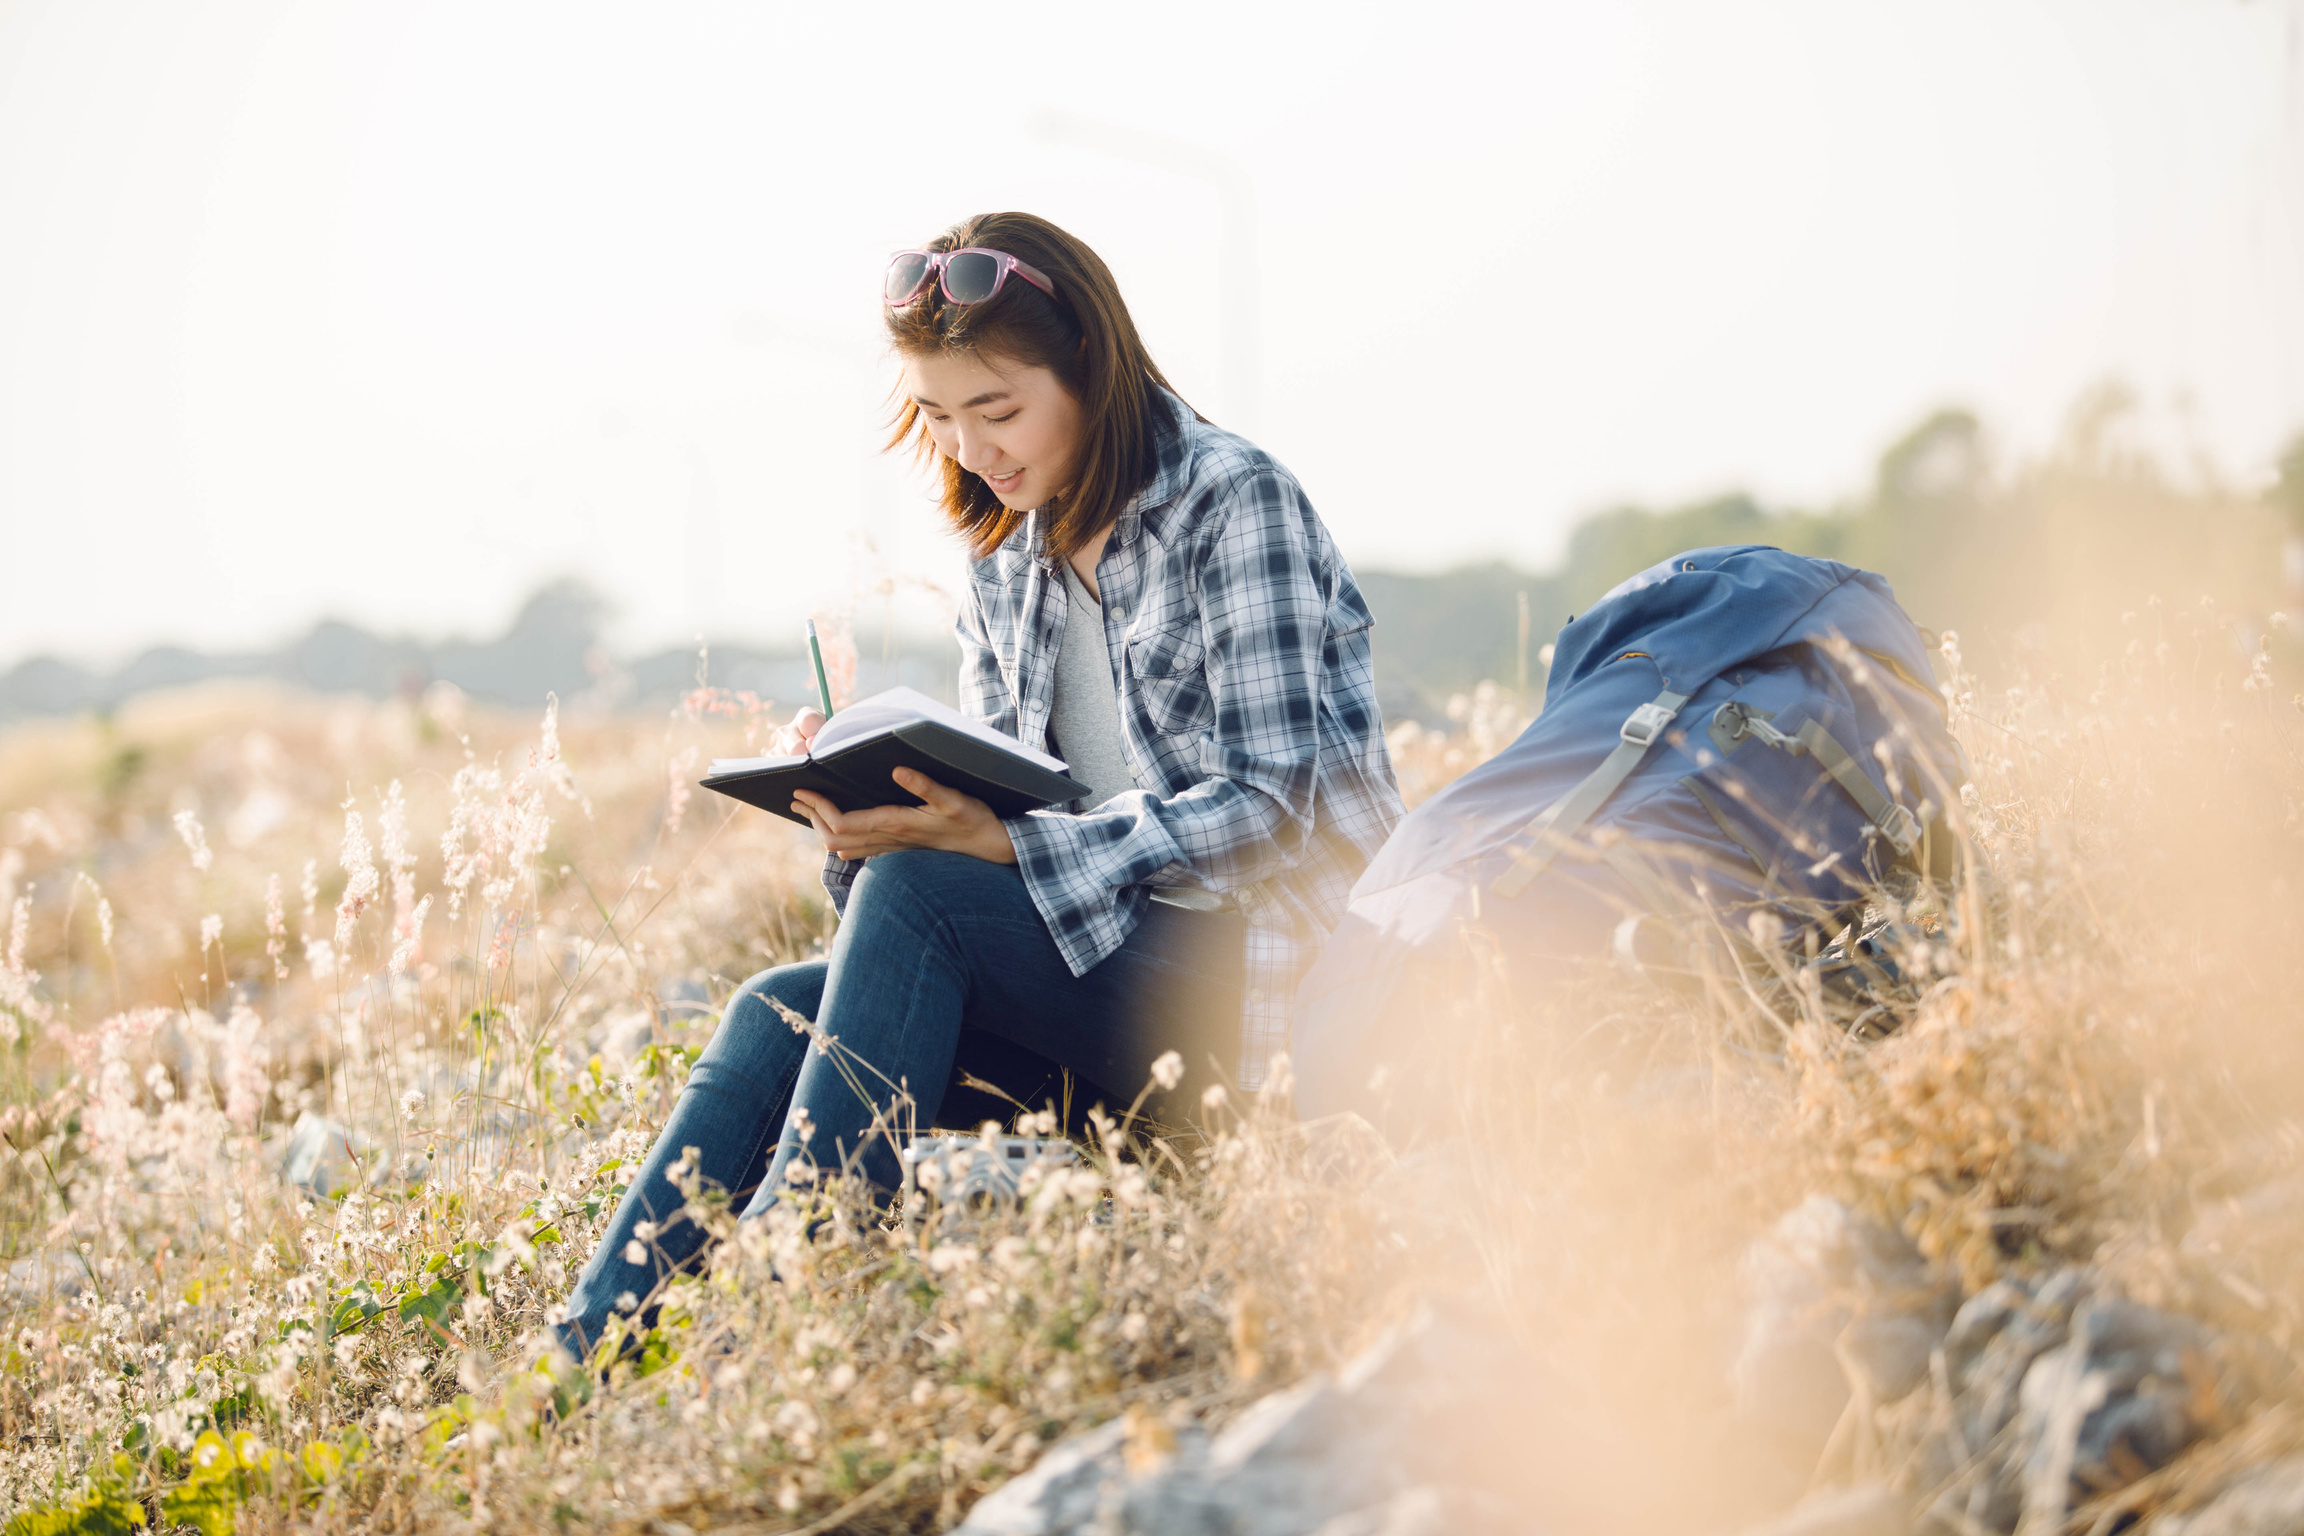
[(971, 275)]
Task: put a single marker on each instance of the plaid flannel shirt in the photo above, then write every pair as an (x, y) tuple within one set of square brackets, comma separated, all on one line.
[(1247, 706)]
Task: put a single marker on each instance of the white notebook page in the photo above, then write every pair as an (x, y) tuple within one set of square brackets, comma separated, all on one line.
[(883, 713)]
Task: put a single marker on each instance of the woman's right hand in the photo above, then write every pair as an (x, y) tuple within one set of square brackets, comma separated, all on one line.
[(792, 738)]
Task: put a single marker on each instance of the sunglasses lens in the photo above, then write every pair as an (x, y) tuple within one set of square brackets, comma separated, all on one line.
[(906, 275), (971, 276)]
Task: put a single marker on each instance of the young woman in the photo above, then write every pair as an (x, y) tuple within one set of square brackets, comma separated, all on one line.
[(1151, 599)]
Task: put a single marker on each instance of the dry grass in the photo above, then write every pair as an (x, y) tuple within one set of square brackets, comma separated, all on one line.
[(2101, 1057)]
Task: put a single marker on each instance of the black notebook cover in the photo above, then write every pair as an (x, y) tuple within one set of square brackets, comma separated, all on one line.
[(859, 776)]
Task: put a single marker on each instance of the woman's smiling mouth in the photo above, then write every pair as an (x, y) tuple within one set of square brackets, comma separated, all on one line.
[(1003, 484)]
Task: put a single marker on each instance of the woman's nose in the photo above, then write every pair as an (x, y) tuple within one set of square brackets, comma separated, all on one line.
[(976, 454)]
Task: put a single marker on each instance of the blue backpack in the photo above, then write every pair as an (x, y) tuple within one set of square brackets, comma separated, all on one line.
[(1737, 729)]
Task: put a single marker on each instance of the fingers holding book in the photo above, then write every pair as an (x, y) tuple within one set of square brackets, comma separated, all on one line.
[(793, 737), (948, 819)]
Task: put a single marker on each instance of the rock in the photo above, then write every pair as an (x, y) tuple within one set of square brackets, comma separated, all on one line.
[(1886, 1355), (1839, 1304), (2111, 1403), (967, 1172), (1065, 1490), (1995, 1338), (1426, 1511), (1870, 1510), (1412, 1512), (2061, 1393), (322, 1156), (42, 1277), (2263, 1501), (1411, 1439), (1293, 1462)]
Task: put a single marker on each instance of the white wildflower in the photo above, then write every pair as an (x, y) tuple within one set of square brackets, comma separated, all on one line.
[(360, 888), (17, 980), (408, 935), (276, 928), (103, 907), (679, 788), (246, 1081), (188, 827), (1168, 1070)]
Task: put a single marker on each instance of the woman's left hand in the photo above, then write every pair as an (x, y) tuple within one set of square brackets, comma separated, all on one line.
[(950, 820)]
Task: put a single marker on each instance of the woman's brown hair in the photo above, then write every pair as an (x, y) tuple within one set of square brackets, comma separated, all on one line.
[(1082, 335)]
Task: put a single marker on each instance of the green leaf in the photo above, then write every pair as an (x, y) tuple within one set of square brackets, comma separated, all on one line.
[(235, 1409), (355, 1305), (432, 1302)]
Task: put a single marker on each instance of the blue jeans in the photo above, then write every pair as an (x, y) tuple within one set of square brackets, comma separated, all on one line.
[(942, 967)]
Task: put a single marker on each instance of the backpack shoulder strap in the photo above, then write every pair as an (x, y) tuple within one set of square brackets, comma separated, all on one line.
[(1566, 816)]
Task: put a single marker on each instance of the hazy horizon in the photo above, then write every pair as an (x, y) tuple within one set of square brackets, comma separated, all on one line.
[(394, 314)]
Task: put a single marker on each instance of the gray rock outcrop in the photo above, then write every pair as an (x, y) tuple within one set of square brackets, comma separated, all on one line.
[(1405, 1441)]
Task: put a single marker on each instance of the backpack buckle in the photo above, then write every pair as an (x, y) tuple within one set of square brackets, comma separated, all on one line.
[(1646, 724), (1901, 828)]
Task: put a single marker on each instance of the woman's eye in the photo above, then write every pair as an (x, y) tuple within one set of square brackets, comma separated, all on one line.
[(997, 420)]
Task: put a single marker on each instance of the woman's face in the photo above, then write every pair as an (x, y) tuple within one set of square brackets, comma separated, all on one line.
[(1016, 427)]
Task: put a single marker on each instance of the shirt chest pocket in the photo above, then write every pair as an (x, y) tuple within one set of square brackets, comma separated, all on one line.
[(1166, 673)]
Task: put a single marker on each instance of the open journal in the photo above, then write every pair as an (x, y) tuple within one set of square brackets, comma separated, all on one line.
[(853, 758)]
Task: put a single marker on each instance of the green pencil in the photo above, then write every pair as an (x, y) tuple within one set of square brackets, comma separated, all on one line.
[(823, 685)]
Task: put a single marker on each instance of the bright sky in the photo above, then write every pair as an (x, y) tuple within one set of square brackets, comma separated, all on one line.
[(394, 310)]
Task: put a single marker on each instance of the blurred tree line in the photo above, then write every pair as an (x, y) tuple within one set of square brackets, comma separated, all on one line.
[(2036, 564)]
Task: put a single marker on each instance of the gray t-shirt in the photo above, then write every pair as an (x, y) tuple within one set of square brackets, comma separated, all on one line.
[(1086, 721), (1086, 724)]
